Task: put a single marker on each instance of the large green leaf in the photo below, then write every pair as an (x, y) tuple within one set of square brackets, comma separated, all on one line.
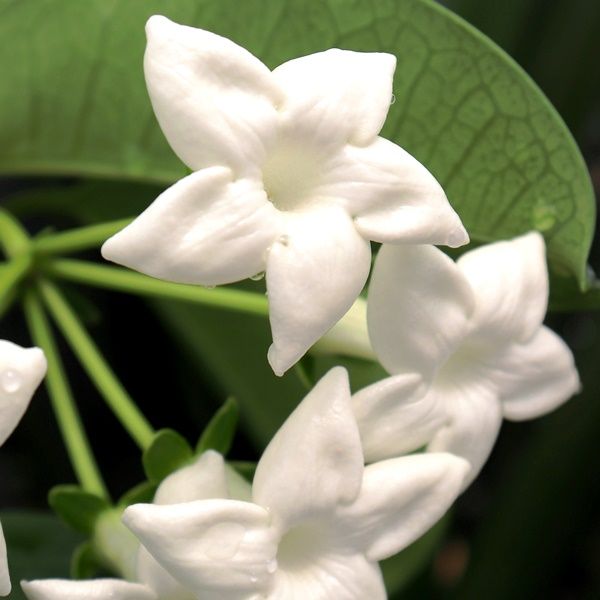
[(39, 546), (73, 101)]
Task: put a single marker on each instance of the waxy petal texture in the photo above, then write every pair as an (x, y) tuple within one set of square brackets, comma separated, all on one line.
[(97, 589), (338, 94), (400, 500), (215, 101), (206, 229), (335, 575), (316, 452), (510, 283), (418, 309), (5, 585), (474, 419), (393, 197), (536, 377), (315, 271), (216, 548), (395, 416), (21, 371)]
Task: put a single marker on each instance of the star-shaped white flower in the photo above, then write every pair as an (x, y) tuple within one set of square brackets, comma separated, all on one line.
[(21, 371), (318, 521), (290, 178), (207, 477), (466, 346)]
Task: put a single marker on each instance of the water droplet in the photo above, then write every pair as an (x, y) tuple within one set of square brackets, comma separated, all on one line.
[(11, 381), (393, 99), (253, 579), (284, 240), (223, 540), (272, 566), (258, 276), (543, 218)]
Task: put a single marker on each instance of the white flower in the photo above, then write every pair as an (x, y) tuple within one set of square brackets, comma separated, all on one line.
[(466, 346), (318, 521), (290, 178), (21, 371), (207, 477)]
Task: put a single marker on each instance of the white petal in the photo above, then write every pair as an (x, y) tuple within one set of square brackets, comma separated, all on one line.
[(215, 101), (338, 94), (474, 419), (315, 460), (315, 271), (150, 573), (328, 577), (418, 309), (203, 479), (96, 589), (536, 377), (205, 229), (400, 500), (396, 416), (21, 371), (5, 585), (510, 283), (216, 548), (393, 197)]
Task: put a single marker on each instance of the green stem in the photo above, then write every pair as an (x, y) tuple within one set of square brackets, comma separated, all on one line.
[(115, 278), (74, 240), (11, 274), (69, 422), (96, 366), (14, 240)]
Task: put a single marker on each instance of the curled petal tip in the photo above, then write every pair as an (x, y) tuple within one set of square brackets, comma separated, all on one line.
[(458, 237)]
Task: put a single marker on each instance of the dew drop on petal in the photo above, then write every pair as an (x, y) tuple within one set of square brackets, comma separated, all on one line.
[(258, 276), (11, 381), (222, 541), (393, 99), (284, 240)]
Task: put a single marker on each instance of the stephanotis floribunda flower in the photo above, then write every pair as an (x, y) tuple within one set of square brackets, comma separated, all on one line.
[(466, 346), (290, 178), (21, 371), (207, 477), (318, 521)]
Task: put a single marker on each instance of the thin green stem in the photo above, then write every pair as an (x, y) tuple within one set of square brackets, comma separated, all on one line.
[(14, 240), (96, 366), (69, 422), (11, 274), (115, 278), (75, 240)]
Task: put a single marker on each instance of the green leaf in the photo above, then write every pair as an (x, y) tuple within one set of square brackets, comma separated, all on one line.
[(39, 545), (84, 562), (167, 452), (218, 434), (143, 492), (76, 507), (463, 107)]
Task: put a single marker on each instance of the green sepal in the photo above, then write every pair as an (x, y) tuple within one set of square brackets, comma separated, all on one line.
[(84, 562), (143, 492), (76, 507), (218, 434), (167, 452), (245, 468)]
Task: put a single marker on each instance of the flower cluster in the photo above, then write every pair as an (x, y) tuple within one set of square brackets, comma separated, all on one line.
[(290, 178)]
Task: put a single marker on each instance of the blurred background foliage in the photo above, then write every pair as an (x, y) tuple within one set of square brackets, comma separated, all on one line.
[(527, 528)]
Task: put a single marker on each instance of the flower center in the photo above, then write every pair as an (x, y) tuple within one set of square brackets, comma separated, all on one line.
[(300, 547), (290, 175)]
